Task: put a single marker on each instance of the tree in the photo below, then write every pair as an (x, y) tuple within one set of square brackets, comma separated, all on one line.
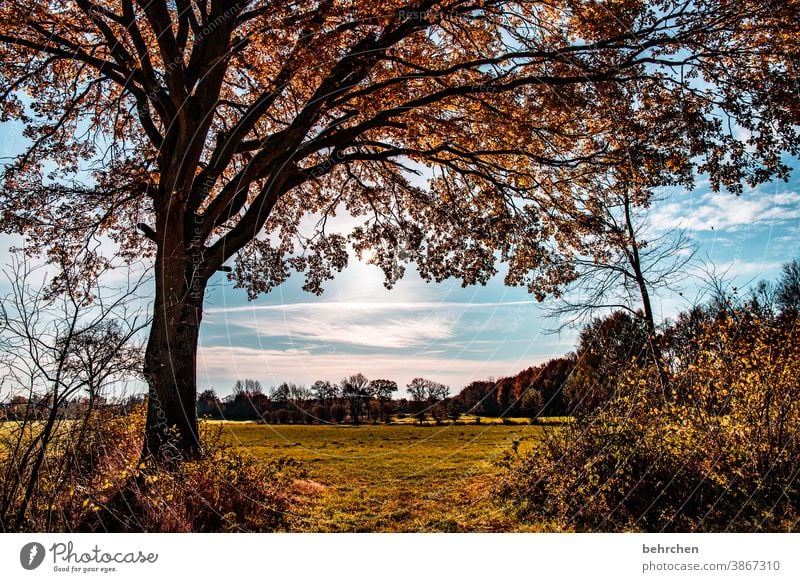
[(248, 387), (325, 392), (607, 348), (619, 262), (280, 395), (383, 390), (248, 402), (532, 403), (217, 126), (479, 397), (454, 409), (53, 348), (426, 396), (299, 396), (764, 300), (788, 288), (356, 390), (437, 398), (208, 404), (418, 389), (338, 413)]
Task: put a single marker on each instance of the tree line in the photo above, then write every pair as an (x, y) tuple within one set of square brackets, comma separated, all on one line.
[(355, 399), (532, 393)]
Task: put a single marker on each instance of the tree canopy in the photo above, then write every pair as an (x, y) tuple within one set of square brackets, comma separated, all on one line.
[(224, 120)]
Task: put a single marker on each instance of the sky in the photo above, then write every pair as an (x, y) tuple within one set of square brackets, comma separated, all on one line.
[(453, 334), (456, 335)]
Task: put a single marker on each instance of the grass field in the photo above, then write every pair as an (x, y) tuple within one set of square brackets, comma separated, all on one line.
[(378, 478)]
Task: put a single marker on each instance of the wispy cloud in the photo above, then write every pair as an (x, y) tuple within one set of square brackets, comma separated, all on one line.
[(396, 325), (359, 306), (722, 211), (383, 333)]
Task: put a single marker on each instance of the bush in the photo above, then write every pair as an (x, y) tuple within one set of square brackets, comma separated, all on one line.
[(721, 454), (94, 482), (85, 459), (338, 413), (223, 491)]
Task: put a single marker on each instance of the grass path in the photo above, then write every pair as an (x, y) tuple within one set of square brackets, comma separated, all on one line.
[(393, 477)]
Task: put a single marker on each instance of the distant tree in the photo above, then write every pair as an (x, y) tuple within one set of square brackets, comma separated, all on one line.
[(418, 389), (427, 396), (388, 409), (299, 396), (248, 401), (280, 395), (208, 404), (383, 390), (788, 291), (607, 347), (532, 403), (320, 413), (325, 392), (355, 389), (248, 387), (454, 409), (402, 406), (437, 397), (338, 413), (479, 397)]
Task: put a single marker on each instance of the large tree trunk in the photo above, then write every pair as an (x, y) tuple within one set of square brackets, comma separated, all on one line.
[(171, 429)]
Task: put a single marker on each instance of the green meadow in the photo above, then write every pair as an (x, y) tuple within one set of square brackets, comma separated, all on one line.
[(392, 478)]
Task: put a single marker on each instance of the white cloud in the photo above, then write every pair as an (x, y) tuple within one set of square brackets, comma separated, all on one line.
[(394, 325), (722, 211), (383, 333), (366, 307), (742, 268)]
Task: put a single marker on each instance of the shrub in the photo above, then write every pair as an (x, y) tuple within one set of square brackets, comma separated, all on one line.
[(338, 413), (85, 458), (95, 482), (224, 490), (721, 454)]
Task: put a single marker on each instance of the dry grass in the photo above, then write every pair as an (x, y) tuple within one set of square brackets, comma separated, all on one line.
[(378, 478)]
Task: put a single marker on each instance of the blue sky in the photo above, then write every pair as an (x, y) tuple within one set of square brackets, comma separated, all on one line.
[(454, 334)]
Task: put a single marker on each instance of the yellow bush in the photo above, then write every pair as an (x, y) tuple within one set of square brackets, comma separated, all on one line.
[(721, 452)]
